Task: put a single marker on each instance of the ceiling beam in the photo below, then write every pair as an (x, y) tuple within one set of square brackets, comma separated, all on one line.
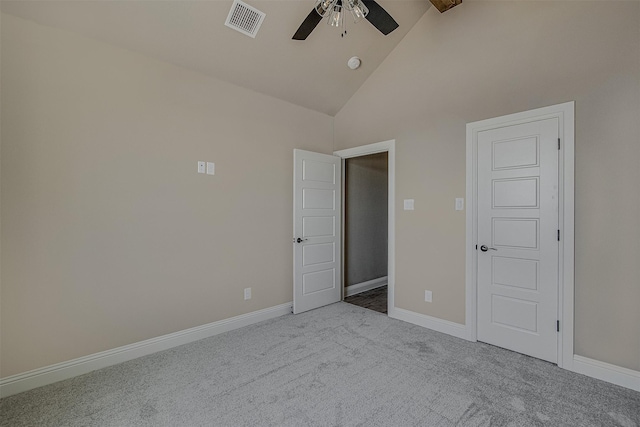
[(444, 5)]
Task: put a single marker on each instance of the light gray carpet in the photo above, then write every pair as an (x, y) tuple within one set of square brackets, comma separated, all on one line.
[(340, 365)]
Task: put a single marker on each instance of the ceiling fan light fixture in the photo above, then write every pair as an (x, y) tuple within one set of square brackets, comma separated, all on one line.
[(358, 9), (336, 18), (324, 7)]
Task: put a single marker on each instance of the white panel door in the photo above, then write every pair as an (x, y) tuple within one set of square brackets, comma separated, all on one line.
[(316, 230), (518, 237)]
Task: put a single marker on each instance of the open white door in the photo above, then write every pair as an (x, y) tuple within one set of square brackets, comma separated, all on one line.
[(316, 230)]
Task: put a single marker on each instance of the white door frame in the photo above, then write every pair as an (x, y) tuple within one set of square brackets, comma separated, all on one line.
[(379, 147), (565, 115)]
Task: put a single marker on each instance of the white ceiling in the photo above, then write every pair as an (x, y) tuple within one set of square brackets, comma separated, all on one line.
[(311, 73)]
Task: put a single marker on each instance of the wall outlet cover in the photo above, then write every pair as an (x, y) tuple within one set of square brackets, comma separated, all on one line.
[(428, 296)]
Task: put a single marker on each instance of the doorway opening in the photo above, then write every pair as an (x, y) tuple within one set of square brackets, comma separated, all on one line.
[(366, 199), (318, 217)]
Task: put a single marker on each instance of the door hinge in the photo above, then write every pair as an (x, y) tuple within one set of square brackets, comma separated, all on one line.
[(558, 235), (557, 326), (558, 143)]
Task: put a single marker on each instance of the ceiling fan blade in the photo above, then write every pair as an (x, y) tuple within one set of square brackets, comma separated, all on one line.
[(310, 22), (379, 17)]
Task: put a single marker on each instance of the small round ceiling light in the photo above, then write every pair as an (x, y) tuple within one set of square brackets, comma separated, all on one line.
[(354, 63)]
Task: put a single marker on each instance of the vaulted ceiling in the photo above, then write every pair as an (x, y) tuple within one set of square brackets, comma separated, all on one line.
[(312, 73)]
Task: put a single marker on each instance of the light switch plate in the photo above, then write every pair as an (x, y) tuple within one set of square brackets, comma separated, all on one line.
[(201, 167), (459, 204), (211, 168), (408, 204), (428, 296)]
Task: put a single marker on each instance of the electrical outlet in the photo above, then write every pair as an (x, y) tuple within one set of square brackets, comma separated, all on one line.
[(247, 294), (428, 296)]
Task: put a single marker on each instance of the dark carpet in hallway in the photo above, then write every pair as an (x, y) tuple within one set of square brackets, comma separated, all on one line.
[(375, 299)]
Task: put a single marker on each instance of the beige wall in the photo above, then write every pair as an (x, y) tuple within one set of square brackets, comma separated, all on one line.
[(486, 59), (109, 234), (0, 196), (110, 237)]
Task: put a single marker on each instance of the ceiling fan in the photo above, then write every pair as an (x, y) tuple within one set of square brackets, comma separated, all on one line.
[(369, 9)]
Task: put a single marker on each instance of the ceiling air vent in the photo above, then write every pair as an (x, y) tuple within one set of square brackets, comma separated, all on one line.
[(244, 18)]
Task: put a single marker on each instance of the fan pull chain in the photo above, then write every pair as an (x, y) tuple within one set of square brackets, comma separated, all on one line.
[(344, 27)]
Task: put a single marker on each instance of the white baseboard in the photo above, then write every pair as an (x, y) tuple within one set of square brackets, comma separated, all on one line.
[(62, 371), (365, 286), (607, 372), (623, 377), (613, 374), (439, 325)]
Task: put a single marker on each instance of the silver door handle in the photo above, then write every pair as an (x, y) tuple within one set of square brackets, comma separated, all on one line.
[(484, 248), (298, 240)]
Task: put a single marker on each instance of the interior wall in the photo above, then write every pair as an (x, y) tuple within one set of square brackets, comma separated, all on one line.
[(487, 59), (366, 216), (109, 235), (0, 196)]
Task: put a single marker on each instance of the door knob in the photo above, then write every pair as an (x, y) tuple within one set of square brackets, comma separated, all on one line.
[(484, 248), (299, 240)]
